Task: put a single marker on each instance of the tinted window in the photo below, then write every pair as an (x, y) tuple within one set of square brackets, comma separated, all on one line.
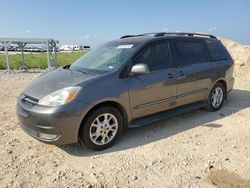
[(157, 56), (217, 50), (190, 52)]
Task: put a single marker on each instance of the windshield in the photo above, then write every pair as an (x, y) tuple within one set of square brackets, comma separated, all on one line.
[(105, 58)]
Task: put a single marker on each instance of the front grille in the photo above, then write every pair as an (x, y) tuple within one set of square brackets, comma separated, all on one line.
[(30, 100)]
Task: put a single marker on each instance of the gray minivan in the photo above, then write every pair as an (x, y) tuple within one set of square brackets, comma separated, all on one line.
[(125, 83)]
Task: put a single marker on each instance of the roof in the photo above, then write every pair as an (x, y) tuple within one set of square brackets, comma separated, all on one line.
[(141, 38)]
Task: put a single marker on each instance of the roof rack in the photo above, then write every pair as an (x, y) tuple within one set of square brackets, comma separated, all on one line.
[(161, 34), (128, 36), (144, 34), (185, 34)]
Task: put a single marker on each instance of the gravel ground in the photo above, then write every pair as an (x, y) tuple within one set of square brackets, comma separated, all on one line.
[(197, 149)]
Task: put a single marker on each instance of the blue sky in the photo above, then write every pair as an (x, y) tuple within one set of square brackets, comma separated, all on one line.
[(95, 21)]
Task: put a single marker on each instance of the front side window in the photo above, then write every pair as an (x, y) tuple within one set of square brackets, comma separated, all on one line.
[(105, 58), (156, 56), (189, 52)]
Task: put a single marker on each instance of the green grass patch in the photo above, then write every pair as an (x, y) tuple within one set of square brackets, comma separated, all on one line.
[(39, 60)]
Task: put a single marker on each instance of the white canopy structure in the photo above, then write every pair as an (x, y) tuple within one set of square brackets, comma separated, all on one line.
[(22, 42)]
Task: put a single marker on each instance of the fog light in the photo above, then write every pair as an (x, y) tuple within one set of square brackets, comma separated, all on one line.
[(47, 136)]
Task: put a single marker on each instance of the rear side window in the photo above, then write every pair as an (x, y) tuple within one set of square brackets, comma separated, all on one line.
[(156, 56), (217, 50), (190, 52)]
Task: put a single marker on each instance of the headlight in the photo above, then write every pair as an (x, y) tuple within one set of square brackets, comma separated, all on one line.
[(60, 97)]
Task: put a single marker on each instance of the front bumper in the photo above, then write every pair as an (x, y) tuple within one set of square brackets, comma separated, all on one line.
[(53, 125)]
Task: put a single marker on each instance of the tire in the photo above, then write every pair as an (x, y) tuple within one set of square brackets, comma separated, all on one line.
[(99, 130), (212, 105)]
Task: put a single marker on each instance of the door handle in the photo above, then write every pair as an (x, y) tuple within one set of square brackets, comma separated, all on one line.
[(181, 73), (170, 75)]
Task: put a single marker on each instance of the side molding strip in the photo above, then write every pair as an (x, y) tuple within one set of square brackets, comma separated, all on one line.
[(171, 98)]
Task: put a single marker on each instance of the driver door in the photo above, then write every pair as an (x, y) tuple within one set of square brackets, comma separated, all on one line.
[(154, 91)]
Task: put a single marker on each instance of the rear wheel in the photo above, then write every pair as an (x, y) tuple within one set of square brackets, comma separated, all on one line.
[(102, 128), (216, 97)]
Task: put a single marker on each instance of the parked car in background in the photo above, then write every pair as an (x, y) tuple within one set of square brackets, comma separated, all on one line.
[(77, 47), (66, 47), (126, 83), (1, 47), (86, 48), (12, 48), (71, 47)]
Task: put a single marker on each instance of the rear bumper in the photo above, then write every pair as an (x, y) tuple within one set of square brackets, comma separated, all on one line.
[(230, 84), (53, 125)]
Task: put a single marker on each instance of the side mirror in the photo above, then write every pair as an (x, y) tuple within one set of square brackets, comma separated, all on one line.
[(140, 69)]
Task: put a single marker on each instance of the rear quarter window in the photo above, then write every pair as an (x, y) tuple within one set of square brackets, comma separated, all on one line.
[(190, 52), (217, 50)]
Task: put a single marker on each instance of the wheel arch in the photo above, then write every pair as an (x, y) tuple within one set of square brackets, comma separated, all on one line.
[(223, 82), (114, 104)]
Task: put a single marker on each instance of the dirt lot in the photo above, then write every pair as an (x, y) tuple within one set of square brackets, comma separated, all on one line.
[(191, 150)]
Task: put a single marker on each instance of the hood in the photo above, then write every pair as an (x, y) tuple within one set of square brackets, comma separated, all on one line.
[(53, 81)]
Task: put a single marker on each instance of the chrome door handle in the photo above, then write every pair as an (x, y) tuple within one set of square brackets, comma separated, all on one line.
[(170, 75), (181, 73)]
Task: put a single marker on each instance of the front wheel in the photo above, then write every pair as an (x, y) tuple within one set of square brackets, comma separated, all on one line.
[(102, 128), (216, 97)]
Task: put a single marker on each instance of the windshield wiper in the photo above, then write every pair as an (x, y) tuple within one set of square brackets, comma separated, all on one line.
[(82, 71)]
